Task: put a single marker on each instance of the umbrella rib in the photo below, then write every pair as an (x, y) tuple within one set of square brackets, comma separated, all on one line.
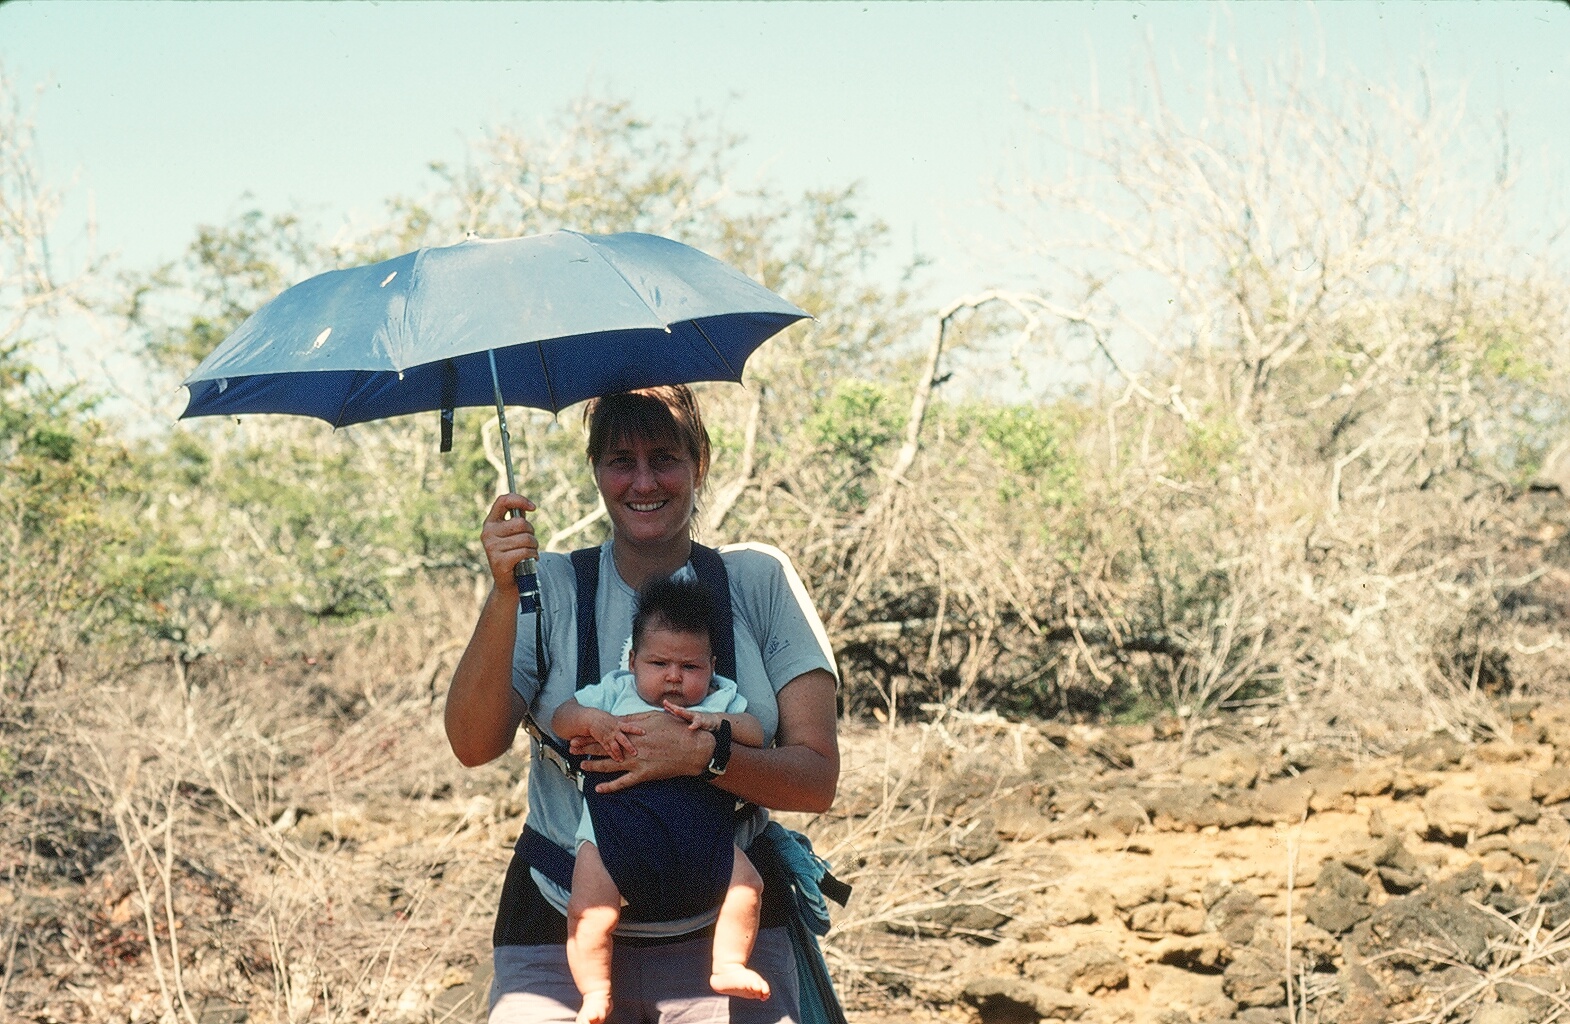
[(617, 271), (545, 371), (715, 348), (350, 392)]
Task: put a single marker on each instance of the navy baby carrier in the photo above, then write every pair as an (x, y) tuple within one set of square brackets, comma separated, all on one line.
[(784, 858)]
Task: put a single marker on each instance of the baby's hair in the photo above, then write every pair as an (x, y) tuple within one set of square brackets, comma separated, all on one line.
[(682, 606)]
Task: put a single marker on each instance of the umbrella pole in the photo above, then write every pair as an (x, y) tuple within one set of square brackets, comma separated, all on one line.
[(525, 572)]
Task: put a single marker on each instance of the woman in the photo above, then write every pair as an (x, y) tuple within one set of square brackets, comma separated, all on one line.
[(649, 453)]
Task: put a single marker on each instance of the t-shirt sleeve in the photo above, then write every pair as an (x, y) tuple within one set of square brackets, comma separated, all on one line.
[(596, 695), (790, 634), (726, 698)]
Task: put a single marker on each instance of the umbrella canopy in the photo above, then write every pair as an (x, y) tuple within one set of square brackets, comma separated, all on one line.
[(565, 316)]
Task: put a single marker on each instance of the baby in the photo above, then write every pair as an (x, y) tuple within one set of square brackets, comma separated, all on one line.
[(672, 670)]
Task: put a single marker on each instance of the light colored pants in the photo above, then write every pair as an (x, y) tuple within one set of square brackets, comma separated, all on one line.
[(666, 984)]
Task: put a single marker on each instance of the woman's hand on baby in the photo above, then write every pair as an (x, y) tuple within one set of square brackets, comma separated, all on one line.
[(593, 746), (697, 721), (667, 750), (615, 743)]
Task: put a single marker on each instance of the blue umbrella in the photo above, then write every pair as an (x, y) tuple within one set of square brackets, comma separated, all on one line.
[(542, 321)]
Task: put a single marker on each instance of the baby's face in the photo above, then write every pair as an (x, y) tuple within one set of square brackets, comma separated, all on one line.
[(672, 666)]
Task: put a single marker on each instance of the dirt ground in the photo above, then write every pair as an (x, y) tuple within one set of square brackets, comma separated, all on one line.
[(1003, 872)]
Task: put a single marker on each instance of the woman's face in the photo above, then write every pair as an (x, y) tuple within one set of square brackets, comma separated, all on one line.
[(649, 488)]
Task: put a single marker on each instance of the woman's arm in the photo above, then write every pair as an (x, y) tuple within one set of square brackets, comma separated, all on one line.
[(799, 773), (483, 710)]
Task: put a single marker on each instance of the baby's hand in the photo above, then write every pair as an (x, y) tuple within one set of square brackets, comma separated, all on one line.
[(697, 721)]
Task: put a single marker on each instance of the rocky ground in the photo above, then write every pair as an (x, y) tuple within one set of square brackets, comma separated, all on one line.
[(1300, 884), (1004, 872)]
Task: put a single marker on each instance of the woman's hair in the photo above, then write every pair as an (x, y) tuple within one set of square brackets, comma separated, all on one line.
[(668, 413), (681, 606)]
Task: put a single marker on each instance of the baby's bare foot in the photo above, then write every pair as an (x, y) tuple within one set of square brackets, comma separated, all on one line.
[(738, 980), (596, 1008)]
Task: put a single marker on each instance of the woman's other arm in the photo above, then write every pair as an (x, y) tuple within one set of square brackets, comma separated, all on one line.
[(483, 710)]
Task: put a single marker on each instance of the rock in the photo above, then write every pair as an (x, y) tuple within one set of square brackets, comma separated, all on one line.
[(1112, 751), (1094, 969), (1206, 953), (1523, 811), (1362, 1007), (1440, 916), (1339, 900), (221, 1011), (1197, 996), (1529, 994), (1255, 978), (1070, 908), (1183, 920), (1501, 1013), (1314, 947), (1501, 753), (1432, 753), (1506, 785), (1332, 789), (1282, 802), (1150, 918), (1535, 853), (977, 843), (1397, 882), (1192, 807), (1233, 766), (1232, 911), (1017, 1001), (1409, 783), (1372, 780), (967, 917), (1139, 892), (1500, 862), (1122, 817), (1455, 814), (1553, 786), (1260, 1015)]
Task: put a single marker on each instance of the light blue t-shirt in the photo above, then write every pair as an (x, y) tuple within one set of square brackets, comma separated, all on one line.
[(778, 638), (617, 693)]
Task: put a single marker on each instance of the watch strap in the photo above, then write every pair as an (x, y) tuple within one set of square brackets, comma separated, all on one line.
[(721, 756)]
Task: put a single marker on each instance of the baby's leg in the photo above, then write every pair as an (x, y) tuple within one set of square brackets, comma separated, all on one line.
[(734, 933), (592, 913)]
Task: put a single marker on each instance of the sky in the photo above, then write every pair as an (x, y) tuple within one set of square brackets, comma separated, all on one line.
[(161, 117)]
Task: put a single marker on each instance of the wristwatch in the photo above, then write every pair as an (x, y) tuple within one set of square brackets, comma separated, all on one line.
[(721, 756)]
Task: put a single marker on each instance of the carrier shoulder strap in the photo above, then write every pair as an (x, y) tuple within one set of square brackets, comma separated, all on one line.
[(586, 567)]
